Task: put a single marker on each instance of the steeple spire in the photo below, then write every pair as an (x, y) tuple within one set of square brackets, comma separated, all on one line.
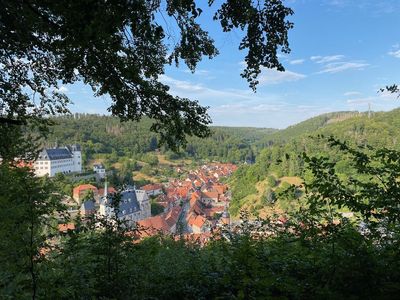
[(225, 218), (105, 187)]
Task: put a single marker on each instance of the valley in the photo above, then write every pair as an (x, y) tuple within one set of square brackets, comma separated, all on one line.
[(263, 155)]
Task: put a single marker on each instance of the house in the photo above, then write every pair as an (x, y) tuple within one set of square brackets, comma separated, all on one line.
[(196, 206), (165, 223), (220, 188), (183, 192), (100, 170), (153, 225), (213, 211), (152, 189), (82, 190), (209, 197), (134, 205), (64, 228), (64, 160), (172, 218), (198, 224), (88, 208)]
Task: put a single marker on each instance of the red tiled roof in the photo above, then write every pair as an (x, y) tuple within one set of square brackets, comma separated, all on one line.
[(66, 227), (110, 190), (210, 195), (187, 184), (197, 183), (220, 188), (156, 222), (197, 221), (172, 216), (183, 191), (209, 212), (84, 187), (196, 207), (151, 187), (24, 164)]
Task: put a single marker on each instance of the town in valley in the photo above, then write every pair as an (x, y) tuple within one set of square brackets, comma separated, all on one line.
[(193, 205)]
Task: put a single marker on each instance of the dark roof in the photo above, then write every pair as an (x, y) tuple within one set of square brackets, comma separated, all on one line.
[(74, 147), (128, 204), (98, 166), (88, 205), (55, 153)]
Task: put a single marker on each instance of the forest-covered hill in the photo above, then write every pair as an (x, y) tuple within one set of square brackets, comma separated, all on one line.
[(107, 135), (281, 155)]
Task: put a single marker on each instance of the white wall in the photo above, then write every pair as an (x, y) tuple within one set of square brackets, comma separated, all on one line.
[(77, 160), (52, 167)]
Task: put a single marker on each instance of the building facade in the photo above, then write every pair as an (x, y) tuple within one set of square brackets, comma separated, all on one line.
[(80, 191), (59, 160), (134, 205), (100, 170)]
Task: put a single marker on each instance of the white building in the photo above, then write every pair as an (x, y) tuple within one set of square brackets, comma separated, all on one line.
[(59, 160), (134, 206), (152, 189), (100, 170)]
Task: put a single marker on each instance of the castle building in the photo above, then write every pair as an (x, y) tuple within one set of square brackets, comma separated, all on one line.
[(59, 160), (134, 205)]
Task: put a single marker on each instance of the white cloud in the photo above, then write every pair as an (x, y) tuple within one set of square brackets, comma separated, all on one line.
[(246, 108), (273, 76), (181, 84), (208, 95), (361, 100), (352, 93), (335, 64), (337, 67), (326, 59), (296, 61), (198, 72), (381, 99), (395, 53)]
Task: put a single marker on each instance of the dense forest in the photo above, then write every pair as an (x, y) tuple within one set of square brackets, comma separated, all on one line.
[(282, 152), (311, 253), (107, 135)]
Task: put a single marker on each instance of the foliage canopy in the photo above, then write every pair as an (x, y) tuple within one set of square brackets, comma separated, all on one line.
[(120, 49)]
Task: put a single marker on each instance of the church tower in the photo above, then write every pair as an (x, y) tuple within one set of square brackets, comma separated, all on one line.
[(225, 218), (77, 157)]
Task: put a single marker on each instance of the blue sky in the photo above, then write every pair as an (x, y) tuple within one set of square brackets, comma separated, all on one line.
[(343, 51)]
